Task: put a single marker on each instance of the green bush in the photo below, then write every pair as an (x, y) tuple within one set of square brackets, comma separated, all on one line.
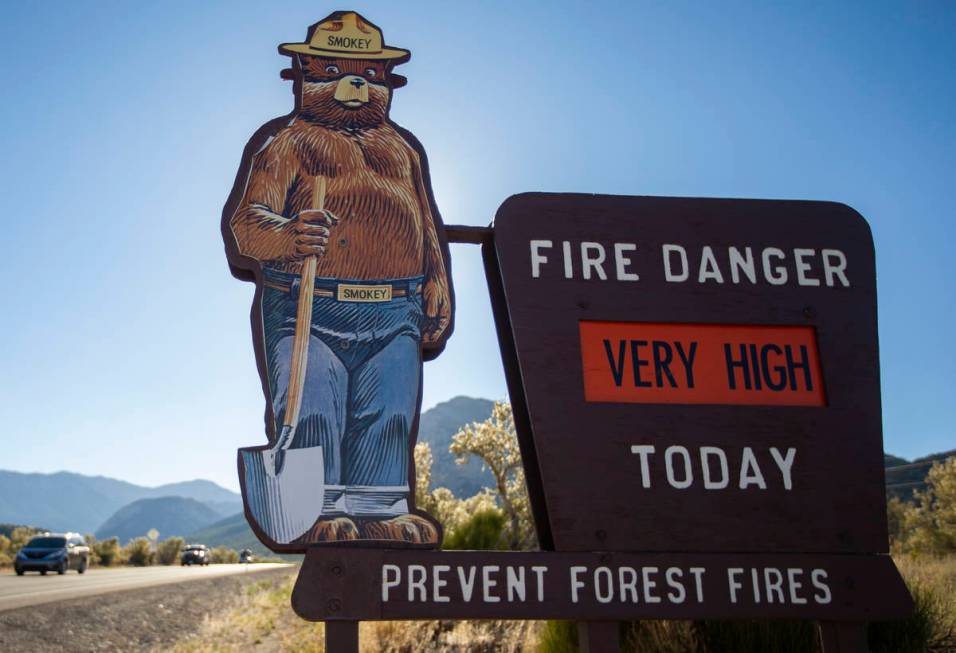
[(107, 552), (167, 551), (138, 552), (481, 532), (223, 555), (558, 637)]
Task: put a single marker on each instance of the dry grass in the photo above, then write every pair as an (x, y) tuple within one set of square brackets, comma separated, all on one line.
[(932, 582), (264, 621), (449, 636), (938, 572)]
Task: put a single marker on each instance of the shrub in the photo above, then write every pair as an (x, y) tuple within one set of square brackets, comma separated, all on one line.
[(932, 626), (661, 637), (138, 552), (6, 556), (167, 551), (106, 552), (558, 637), (928, 526), (910, 634), (693, 637), (90, 542), (495, 443), (757, 636), (481, 532), (223, 555), (20, 536), (10, 546)]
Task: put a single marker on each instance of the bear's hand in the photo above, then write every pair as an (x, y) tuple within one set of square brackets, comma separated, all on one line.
[(437, 309), (312, 232)]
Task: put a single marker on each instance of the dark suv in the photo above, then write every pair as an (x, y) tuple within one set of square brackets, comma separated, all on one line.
[(53, 552), (196, 554)]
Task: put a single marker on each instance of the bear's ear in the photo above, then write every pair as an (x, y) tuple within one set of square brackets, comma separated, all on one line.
[(396, 81)]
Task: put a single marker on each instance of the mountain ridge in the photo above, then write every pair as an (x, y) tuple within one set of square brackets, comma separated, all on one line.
[(170, 516), (68, 501)]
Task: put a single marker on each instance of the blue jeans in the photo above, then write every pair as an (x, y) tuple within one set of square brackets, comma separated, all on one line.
[(361, 390)]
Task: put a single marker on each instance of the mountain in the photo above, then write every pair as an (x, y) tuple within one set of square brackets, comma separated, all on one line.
[(436, 427), (233, 532), (7, 529), (903, 477), (170, 516), (65, 501), (200, 490)]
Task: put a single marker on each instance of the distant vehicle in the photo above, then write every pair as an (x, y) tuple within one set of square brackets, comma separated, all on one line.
[(246, 556), (195, 554), (53, 552)]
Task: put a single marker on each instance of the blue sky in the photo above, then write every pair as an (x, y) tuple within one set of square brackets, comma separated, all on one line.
[(124, 345)]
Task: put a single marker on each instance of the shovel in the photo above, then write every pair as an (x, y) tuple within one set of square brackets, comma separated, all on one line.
[(284, 488)]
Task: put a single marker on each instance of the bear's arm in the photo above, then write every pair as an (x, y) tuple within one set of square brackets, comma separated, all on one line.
[(261, 231), (434, 263)]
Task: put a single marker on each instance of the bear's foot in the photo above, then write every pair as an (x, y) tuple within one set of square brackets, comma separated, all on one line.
[(336, 529), (411, 529)]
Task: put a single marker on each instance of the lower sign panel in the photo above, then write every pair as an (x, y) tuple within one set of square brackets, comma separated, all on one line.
[(651, 363), (364, 584)]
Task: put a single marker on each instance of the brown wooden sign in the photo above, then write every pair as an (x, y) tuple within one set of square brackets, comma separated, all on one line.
[(700, 375), (695, 386), (406, 584)]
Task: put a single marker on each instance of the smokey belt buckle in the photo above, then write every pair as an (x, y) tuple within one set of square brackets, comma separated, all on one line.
[(346, 292)]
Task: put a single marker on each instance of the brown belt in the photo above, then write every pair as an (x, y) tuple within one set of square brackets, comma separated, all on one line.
[(396, 291)]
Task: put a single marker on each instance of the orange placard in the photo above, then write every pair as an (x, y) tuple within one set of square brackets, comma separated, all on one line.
[(654, 363)]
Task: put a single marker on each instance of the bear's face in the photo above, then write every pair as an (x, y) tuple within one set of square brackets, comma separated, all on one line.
[(345, 93)]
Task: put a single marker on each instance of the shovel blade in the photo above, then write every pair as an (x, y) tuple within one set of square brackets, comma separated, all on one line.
[(286, 505)]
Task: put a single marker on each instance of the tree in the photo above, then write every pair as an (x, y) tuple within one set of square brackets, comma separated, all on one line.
[(167, 551), (495, 443), (223, 555), (929, 525), (896, 521), (107, 552), (452, 512), (138, 552), (6, 556), (20, 536)]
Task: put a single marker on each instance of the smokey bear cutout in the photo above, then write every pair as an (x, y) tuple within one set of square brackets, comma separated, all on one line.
[(332, 215)]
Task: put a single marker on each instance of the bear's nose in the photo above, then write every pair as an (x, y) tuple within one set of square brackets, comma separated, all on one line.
[(358, 82)]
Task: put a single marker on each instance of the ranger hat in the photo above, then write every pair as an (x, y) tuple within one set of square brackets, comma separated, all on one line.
[(345, 35)]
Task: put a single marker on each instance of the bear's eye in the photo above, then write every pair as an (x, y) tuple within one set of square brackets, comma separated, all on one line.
[(370, 72), (332, 69)]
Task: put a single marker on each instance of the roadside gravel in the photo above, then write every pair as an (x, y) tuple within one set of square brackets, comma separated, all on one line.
[(134, 620)]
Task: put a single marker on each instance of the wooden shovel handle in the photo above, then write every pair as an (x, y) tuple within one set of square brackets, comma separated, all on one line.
[(303, 322)]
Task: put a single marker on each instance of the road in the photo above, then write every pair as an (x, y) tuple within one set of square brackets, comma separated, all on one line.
[(33, 589)]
